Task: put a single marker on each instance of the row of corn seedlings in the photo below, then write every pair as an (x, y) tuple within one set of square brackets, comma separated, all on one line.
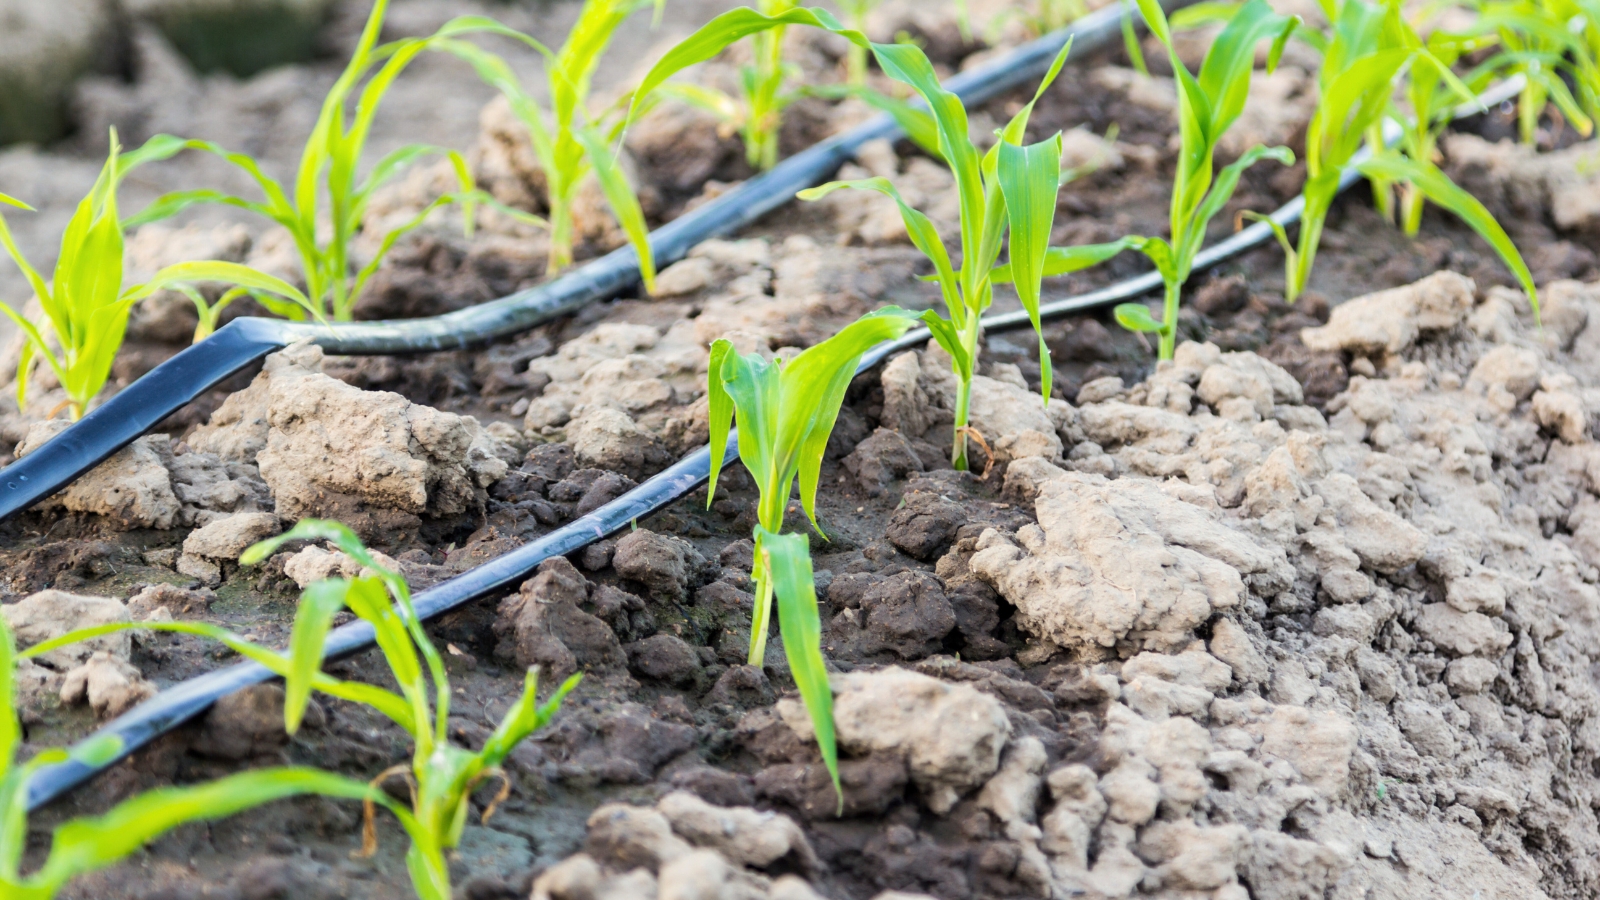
[(441, 777), (785, 410), (1368, 50)]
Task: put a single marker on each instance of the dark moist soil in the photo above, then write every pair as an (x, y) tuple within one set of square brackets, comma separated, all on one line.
[(673, 722)]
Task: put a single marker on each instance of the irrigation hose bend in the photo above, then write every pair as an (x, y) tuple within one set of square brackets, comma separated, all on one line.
[(176, 705)]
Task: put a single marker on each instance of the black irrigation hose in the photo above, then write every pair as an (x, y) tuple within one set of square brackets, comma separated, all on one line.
[(169, 386), (183, 702)]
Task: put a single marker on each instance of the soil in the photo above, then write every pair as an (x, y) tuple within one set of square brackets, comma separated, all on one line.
[(1310, 613)]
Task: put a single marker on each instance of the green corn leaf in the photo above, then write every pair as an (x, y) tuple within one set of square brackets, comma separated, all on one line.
[(700, 97), (752, 384), (369, 599), (1438, 188), (35, 280), (10, 730), (907, 64), (949, 339), (919, 227), (1066, 260), (379, 699), (811, 391), (84, 845), (1030, 179), (720, 417), (526, 717), (1136, 317), (724, 31), (914, 121), (226, 273), (789, 567), (320, 602), (1130, 44), (624, 202), (1199, 15), (1017, 127)]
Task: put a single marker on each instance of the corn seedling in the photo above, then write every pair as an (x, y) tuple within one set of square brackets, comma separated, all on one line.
[(328, 171), (85, 304), (441, 776), (786, 410), (1540, 42), (1369, 47), (1011, 188), (568, 145), (83, 845), (765, 92), (1357, 86), (1430, 100), (1207, 106)]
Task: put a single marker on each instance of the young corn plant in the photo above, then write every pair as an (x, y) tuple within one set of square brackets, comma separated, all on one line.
[(1007, 195), (765, 83), (1369, 47), (1208, 104), (569, 146), (83, 845), (328, 173), (1546, 42), (786, 410), (85, 303), (1430, 102), (441, 776)]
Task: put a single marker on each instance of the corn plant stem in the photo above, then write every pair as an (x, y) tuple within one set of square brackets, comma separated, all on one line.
[(1172, 294), (186, 700), (774, 500), (1319, 194), (970, 332)]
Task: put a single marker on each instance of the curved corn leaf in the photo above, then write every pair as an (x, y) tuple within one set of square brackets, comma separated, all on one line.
[(789, 567), (385, 702), (914, 121), (313, 618), (907, 64), (84, 845), (524, 718), (1066, 260), (1219, 195), (949, 340), (1438, 188), (1136, 317), (226, 273), (1030, 179), (724, 31)]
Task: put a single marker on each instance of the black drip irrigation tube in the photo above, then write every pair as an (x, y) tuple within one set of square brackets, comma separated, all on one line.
[(246, 340)]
